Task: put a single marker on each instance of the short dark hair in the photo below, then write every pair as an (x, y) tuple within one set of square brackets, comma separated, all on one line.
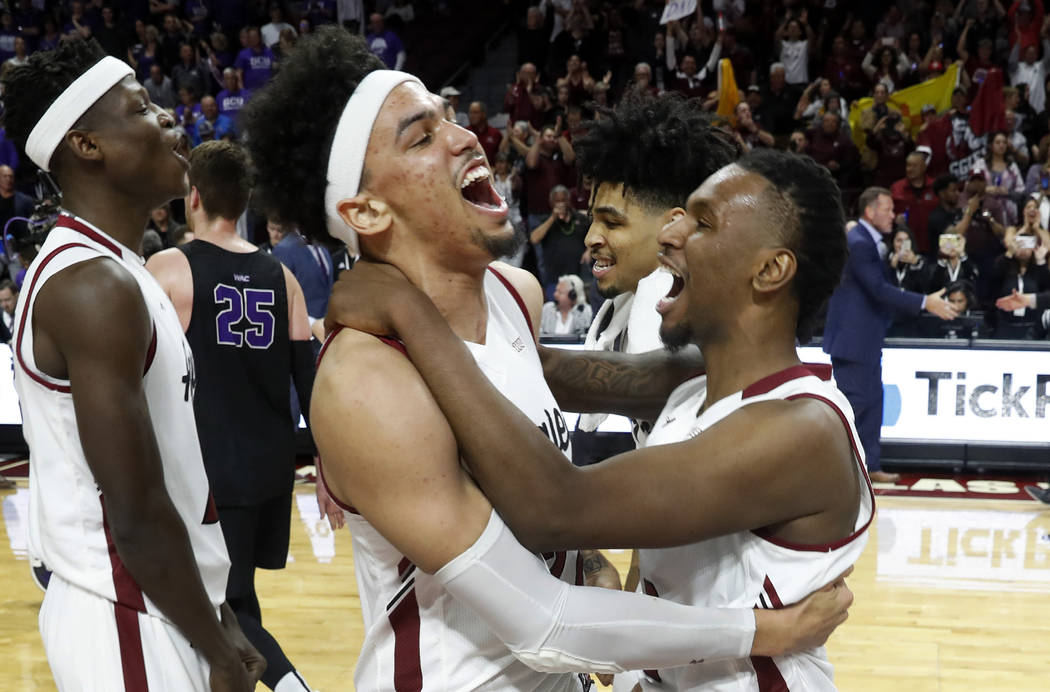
[(660, 148), (9, 285), (943, 181), (954, 287), (30, 89), (815, 234), (290, 137), (868, 197), (219, 171)]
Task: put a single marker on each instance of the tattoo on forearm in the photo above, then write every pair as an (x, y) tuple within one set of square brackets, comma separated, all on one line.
[(597, 377), (593, 561)]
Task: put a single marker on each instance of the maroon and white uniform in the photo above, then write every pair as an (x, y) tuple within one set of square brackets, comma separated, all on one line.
[(749, 568), (101, 632), (417, 636)]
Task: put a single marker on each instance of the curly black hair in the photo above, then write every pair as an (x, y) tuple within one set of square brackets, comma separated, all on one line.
[(291, 122), (661, 148), (812, 223), (30, 89)]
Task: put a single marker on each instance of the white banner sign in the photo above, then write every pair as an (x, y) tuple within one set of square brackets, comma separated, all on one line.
[(676, 9), (964, 395)]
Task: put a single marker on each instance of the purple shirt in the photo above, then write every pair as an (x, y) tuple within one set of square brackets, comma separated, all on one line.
[(385, 45), (257, 66), (230, 102)]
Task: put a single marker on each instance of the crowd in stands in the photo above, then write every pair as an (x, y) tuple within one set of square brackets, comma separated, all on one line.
[(969, 174), (968, 170)]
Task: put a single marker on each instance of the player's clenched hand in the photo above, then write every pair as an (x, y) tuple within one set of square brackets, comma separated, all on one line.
[(327, 506), (370, 297), (804, 625), (249, 664)]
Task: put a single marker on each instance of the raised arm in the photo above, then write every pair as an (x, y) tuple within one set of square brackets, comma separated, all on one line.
[(105, 370)]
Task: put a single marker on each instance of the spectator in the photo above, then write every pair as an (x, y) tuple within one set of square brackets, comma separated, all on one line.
[(812, 103), (451, 94), (271, 32), (13, 204), (858, 314), (145, 55), (578, 40), (159, 87), (1024, 21), (561, 236), (548, 164), (1016, 141), (161, 222), (977, 67), (233, 98), (1031, 71), (797, 143), (885, 65), (8, 34), (173, 36), (1023, 269), (947, 213), (20, 57), (576, 79), (906, 268), (888, 145), (8, 153), (833, 149), (255, 63), (913, 198), (794, 43), (953, 265), (542, 112), (843, 72), (568, 314), (747, 131), (110, 35), (517, 102), (8, 301), (984, 234), (191, 71), (384, 43), (777, 113), (1004, 179), (489, 137), (49, 35), (189, 108), (211, 125), (401, 9), (285, 46), (312, 267), (641, 83), (742, 59), (508, 184), (533, 40)]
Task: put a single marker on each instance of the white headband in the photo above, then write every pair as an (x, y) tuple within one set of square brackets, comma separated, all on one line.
[(70, 105), (347, 158)]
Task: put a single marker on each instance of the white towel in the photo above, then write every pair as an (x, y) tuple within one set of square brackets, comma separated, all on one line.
[(634, 328)]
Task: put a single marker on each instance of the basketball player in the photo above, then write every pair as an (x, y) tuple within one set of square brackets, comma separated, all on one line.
[(120, 508), (753, 470), (450, 599), (641, 184), (245, 319)]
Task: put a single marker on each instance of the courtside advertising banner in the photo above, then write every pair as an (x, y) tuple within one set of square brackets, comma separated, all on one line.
[(965, 395)]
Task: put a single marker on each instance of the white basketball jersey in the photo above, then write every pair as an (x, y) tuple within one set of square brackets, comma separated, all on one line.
[(750, 568), (419, 638), (68, 529)]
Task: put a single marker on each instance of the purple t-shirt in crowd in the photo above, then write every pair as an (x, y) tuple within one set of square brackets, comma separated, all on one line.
[(257, 66), (385, 45), (231, 102)]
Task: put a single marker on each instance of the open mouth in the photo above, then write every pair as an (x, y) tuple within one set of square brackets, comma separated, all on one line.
[(476, 188), (677, 284), (182, 150), (601, 267)]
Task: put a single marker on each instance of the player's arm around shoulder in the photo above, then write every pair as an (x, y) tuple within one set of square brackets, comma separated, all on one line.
[(767, 464), (388, 451), (172, 271), (528, 287)]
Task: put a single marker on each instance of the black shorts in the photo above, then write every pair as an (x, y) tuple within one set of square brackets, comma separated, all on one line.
[(256, 536)]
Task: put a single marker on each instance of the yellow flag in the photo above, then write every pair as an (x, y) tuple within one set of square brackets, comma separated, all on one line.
[(936, 91), (728, 94)]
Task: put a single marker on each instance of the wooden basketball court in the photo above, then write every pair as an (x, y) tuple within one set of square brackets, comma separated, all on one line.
[(951, 594)]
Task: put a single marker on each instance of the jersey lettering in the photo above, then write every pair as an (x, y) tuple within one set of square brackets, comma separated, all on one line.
[(556, 430), (248, 305)]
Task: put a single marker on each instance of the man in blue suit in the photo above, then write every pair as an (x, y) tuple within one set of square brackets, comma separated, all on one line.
[(860, 310)]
